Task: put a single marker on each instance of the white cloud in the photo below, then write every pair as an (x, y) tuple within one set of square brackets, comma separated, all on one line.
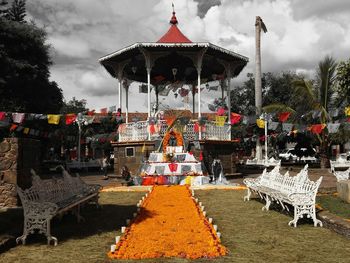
[(300, 33)]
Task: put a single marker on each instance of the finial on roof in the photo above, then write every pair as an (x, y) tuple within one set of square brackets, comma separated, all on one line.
[(173, 19)]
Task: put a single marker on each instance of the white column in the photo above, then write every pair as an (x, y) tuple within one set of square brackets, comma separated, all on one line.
[(127, 103), (199, 92), (120, 94), (149, 92), (120, 86), (198, 65), (229, 99), (265, 137)]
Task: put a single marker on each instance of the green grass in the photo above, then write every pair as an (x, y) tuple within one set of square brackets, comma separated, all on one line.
[(334, 205), (250, 234)]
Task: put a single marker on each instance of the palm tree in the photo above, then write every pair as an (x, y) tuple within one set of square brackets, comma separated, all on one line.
[(314, 96), (259, 24), (319, 96)]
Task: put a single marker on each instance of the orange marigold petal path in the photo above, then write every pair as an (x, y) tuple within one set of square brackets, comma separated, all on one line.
[(170, 225)]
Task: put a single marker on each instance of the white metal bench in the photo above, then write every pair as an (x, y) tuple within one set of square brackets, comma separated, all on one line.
[(342, 175), (297, 191), (50, 197), (339, 163)]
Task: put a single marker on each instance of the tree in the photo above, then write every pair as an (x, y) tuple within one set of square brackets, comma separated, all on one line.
[(24, 70), (3, 7), (343, 78), (74, 106), (318, 95), (17, 11)]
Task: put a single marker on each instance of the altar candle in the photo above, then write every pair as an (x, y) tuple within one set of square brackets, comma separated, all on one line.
[(113, 247)]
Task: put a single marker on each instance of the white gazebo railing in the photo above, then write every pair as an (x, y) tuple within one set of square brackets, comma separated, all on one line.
[(133, 131), (138, 131), (215, 132)]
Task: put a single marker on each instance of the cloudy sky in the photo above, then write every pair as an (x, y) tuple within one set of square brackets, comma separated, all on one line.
[(300, 33)]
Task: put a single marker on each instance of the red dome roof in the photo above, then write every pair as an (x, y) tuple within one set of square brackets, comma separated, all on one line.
[(174, 35)]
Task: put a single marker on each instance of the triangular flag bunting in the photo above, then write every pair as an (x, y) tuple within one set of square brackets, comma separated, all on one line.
[(260, 123), (53, 119), (283, 116)]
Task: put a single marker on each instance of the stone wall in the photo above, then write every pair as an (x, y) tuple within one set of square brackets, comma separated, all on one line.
[(17, 157), (132, 162)]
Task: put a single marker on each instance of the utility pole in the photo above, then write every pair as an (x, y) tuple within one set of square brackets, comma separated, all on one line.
[(259, 24)]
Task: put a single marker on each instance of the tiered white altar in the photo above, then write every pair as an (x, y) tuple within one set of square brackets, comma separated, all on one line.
[(172, 167)]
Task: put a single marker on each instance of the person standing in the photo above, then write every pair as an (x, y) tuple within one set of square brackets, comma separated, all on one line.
[(105, 163)]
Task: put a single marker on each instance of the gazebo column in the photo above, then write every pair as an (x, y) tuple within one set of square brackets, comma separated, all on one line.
[(126, 85), (198, 65), (149, 64), (228, 75), (120, 79), (118, 69)]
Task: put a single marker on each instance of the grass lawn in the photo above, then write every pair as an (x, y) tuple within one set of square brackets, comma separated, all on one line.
[(334, 205), (250, 234)]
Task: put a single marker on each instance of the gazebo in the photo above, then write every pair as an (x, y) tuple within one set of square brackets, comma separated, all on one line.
[(172, 59)]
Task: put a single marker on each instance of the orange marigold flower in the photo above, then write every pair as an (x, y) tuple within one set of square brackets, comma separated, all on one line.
[(170, 225)]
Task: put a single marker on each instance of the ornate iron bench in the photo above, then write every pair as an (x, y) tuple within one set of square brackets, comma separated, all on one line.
[(339, 163), (297, 191), (50, 197), (342, 175)]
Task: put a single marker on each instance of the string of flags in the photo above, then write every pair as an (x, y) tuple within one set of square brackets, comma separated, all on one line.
[(15, 120)]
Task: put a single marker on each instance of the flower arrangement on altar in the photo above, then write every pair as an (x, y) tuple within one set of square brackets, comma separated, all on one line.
[(169, 157), (169, 135)]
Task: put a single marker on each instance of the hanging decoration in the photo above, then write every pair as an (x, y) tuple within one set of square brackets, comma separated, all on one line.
[(220, 120), (235, 118), (70, 118), (283, 116), (260, 123), (53, 119), (347, 111), (317, 128)]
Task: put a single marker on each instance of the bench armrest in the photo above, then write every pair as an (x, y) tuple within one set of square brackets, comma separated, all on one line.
[(92, 188), (302, 198), (251, 182), (39, 209)]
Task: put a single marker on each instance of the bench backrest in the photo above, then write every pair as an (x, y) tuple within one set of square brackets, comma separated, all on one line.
[(266, 178), (342, 175), (53, 190)]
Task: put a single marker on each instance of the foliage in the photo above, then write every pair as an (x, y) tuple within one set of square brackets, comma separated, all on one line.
[(24, 70), (74, 106), (17, 11), (343, 77)]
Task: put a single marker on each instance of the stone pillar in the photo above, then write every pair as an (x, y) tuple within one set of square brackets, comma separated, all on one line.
[(17, 157), (343, 189)]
